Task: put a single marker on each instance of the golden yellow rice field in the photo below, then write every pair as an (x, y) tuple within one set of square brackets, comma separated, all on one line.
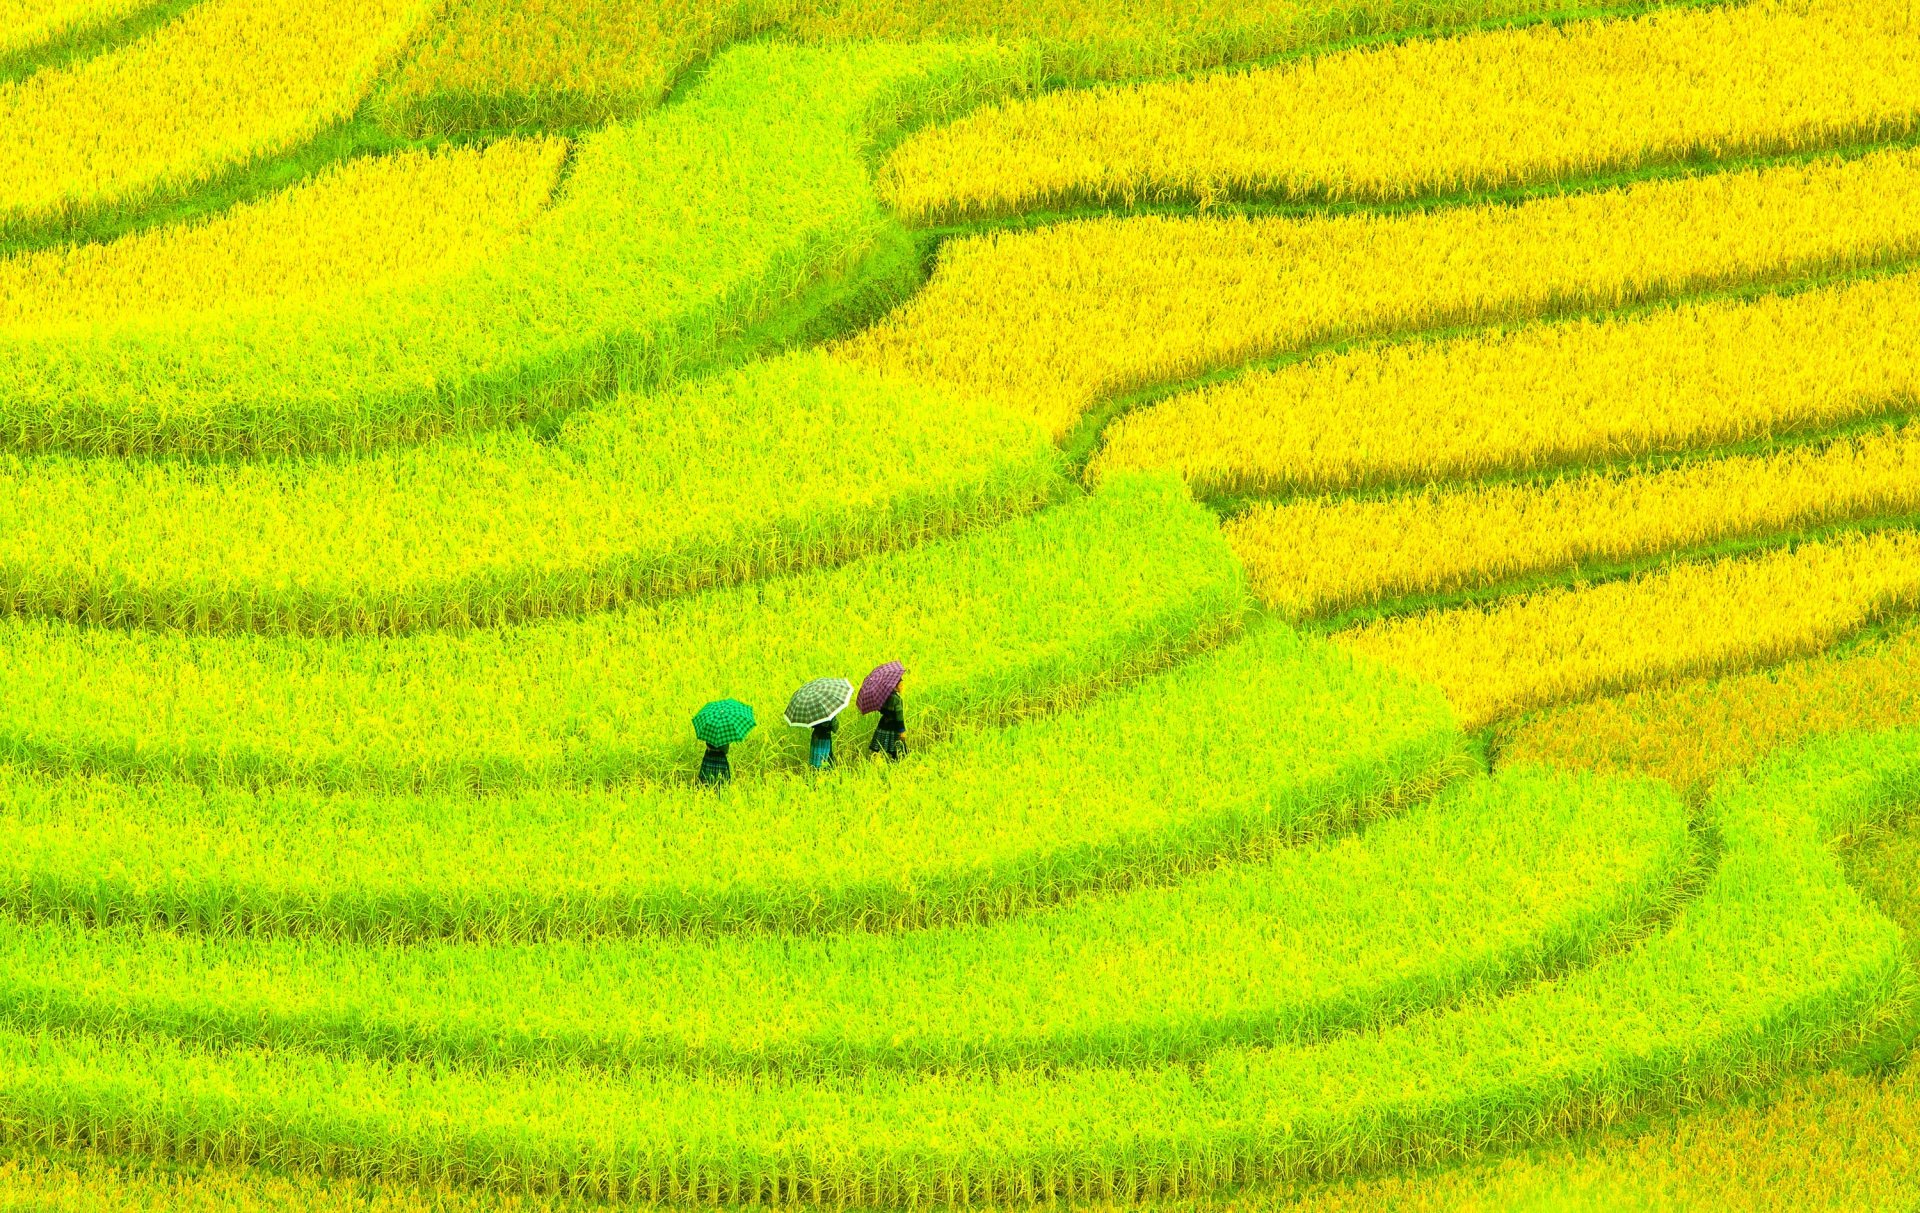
[(1301, 605)]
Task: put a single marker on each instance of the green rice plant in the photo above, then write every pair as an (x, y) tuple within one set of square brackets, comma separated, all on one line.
[(1777, 964), (221, 86), (1027, 616), (1493, 885), (785, 465), (1267, 742), (669, 235), (1836, 1141)]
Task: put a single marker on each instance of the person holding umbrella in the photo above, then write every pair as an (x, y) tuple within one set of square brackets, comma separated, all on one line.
[(817, 706), (720, 724), (880, 692)]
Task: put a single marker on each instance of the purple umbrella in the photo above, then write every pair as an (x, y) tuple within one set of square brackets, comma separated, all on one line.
[(875, 687)]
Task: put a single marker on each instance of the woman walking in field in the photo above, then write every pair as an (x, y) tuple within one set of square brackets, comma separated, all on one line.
[(820, 749), (817, 706), (880, 692), (720, 724)]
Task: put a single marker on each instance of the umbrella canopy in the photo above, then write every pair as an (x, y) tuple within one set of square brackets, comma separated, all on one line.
[(723, 722), (819, 701), (884, 681)]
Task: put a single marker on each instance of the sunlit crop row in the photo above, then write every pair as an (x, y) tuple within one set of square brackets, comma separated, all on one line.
[(25, 24), (1540, 397), (495, 63), (1776, 964), (1053, 320), (1563, 644), (1319, 554), (784, 465), (1034, 613), (1101, 39), (1267, 743), (1500, 883), (1474, 112), (1689, 734), (670, 236), (506, 63), (1840, 1140), (384, 222), (1827, 1141), (226, 83), (325, 845), (1058, 319)]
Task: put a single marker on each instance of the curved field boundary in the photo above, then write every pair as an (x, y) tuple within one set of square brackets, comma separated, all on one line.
[(1778, 964), (669, 236), (1501, 883), (495, 64), (1688, 619), (1315, 557), (1258, 745), (77, 42), (1057, 319), (1027, 616), (29, 25), (1692, 733), (786, 465), (224, 84), (1539, 397), (1421, 119), (372, 223)]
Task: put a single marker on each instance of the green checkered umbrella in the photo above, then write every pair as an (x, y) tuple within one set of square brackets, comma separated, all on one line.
[(819, 701), (723, 722)]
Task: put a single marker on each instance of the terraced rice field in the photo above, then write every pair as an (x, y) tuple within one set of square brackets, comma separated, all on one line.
[(1401, 517)]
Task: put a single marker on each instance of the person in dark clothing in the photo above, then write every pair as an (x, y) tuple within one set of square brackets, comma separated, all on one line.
[(715, 768), (820, 753), (720, 724), (889, 736)]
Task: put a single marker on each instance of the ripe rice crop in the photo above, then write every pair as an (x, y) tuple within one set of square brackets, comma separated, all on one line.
[(1776, 964), (25, 24), (378, 222), (1563, 644), (1540, 397), (1263, 743), (1317, 555), (354, 611), (495, 64), (1094, 39), (537, 63), (1060, 318), (1501, 882), (1690, 734), (1028, 615), (669, 236), (1475, 112), (1835, 1141), (784, 465), (228, 82)]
